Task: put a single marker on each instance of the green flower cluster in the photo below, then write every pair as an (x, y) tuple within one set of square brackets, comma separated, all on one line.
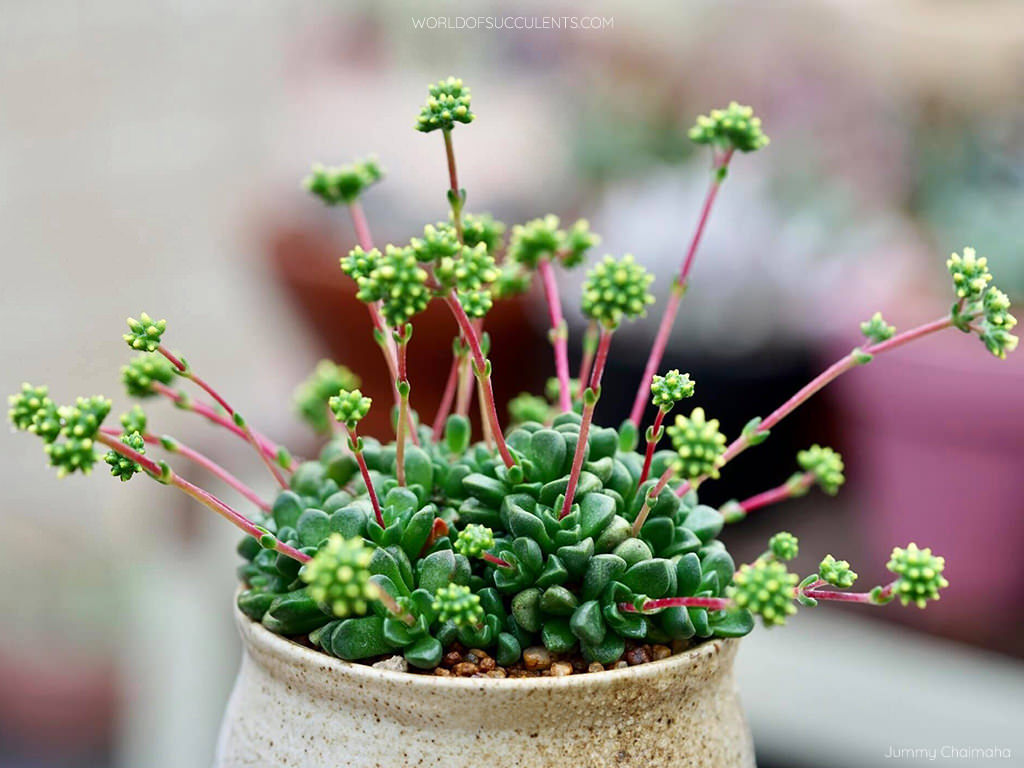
[(876, 329), (669, 389), (121, 466), (359, 263), (438, 242), (734, 127), (474, 540), (826, 465), (981, 308), (79, 424), (134, 420), (343, 183), (349, 407), (543, 239), (920, 574), (339, 576), (458, 604), (482, 228), (836, 572), (312, 396), (447, 105), (766, 589), (616, 289), (145, 333), (32, 410), (471, 275), (784, 546), (143, 371), (398, 282), (699, 444), (525, 407)]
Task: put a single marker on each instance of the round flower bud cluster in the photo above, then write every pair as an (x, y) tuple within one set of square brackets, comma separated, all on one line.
[(339, 576), (766, 589), (542, 239), (526, 407), (134, 420), (699, 444), (438, 242), (981, 308), (145, 333), (826, 465), (447, 104), (312, 395), (920, 574), (121, 466), (616, 289), (734, 127), (143, 371), (471, 275), (784, 546), (669, 389), (876, 329), (343, 183), (359, 263), (482, 228), (399, 282), (997, 323), (458, 604), (474, 540), (80, 423), (512, 280), (349, 407), (836, 572), (970, 274), (26, 404)]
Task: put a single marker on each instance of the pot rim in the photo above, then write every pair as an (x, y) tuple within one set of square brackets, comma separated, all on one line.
[(282, 649)]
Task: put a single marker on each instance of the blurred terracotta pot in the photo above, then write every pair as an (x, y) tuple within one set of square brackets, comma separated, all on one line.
[(305, 261), (298, 707)]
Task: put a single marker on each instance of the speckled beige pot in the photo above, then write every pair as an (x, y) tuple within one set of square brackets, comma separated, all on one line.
[(292, 706)]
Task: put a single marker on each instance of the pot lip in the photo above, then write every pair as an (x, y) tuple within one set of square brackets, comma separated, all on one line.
[(281, 648)]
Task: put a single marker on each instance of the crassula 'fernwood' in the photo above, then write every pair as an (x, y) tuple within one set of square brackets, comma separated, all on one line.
[(553, 530)]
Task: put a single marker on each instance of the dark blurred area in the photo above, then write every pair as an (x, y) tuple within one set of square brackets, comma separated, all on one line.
[(150, 158)]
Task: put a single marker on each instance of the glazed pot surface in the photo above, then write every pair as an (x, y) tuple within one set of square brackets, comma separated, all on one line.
[(292, 706)]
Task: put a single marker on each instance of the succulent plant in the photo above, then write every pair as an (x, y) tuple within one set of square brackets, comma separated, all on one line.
[(554, 530)]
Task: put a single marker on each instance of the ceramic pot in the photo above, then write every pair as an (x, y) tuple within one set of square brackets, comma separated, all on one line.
[(292, 706)]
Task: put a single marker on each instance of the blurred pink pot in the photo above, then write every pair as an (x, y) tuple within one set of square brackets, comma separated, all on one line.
[(297, 707), (935, 442)]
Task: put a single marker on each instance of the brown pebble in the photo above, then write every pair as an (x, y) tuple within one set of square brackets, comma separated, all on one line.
[(496, 673), (442, 672), (561, 669), (595, 666), (487, 664), (478, 653), (660, 652), (465, 669), (471, 657), (536, 657), (639, 655), (678, 646), (620, 664), (451, 658)]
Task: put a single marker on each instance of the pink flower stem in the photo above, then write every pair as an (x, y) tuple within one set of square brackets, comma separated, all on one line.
[(590, 398), (482, 368), (721, 164), (465, 392), (357, 451), (645, 510), (175, 446), (589, 348), (447, 399), (403, 409), (559, 333), (864, 598), (711, 603), (186, 371), (164, 474), (495, 560), (455, 196), (269, 448), (780, 493), (653, 436)]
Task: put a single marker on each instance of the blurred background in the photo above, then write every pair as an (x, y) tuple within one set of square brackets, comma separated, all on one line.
[(150, 158)]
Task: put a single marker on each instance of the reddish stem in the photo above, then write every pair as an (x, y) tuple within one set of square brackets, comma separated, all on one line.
[(437, 530), (203, 497), (353, 438), (589, 404), (559, 334), (651, 445), (187, 372), (447, 399), (403, 411), (453, 180), (678, 289), (645, 510), (481, 366), (589, 348), (495, 560), (777, 494), (863, 598), (711, 603)]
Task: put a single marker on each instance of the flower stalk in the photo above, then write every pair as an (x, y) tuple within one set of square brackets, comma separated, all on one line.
[(559, 333)]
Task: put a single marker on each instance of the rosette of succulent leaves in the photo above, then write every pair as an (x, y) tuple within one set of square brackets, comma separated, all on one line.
[(551, 530)]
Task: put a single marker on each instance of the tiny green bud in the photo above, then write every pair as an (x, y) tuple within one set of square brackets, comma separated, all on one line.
[(535, 240), (349, 407), (860, 357), (438, 242), (970, 274), (826, 465), (784, 546), (134, 420), (482, 228), (143, 371), (836, 572), (920, 574), (699, 444), (312, 395), (734, 127), (458, 604), (669, 389), (616, 289), (399, 283), (448, 104), (339, 576), (32, 410), (121, 466), (145, 333), (876, 329), (474, 540), (343, 183), (765, 588), (359, 264)]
